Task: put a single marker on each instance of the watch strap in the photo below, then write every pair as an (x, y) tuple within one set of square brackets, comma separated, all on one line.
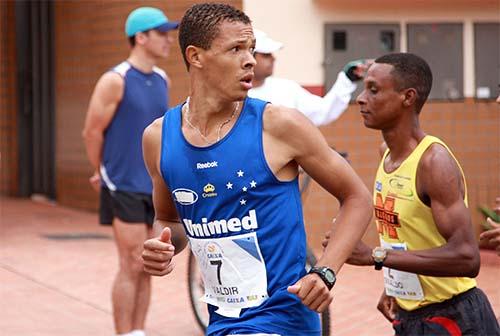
[(379, 254), (321, 271)]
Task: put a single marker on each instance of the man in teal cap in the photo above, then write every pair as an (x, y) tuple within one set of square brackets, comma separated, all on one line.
[(146, 18), (125, 100)]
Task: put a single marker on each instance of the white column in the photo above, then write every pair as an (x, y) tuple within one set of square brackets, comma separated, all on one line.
[(468, 49), (403, 38)]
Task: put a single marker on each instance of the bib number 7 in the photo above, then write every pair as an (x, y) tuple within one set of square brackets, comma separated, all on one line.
[(217, 263)]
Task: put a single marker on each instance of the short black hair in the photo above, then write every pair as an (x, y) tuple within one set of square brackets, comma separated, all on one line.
[(131, 39), (200, 24), (410, 71)]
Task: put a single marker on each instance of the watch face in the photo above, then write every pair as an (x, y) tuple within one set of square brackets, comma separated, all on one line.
[(330, 277), (379, 254), (326, 274)]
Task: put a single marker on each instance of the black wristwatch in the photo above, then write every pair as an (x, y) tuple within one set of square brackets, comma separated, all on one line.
[(326, 274)]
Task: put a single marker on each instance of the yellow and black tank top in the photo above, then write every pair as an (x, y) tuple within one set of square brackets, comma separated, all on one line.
[(405, 222)]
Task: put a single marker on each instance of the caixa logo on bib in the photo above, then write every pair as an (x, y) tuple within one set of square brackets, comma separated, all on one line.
[(185, 196)]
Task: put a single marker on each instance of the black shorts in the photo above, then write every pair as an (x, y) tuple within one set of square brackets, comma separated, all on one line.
[(468, 313), (129, 207)]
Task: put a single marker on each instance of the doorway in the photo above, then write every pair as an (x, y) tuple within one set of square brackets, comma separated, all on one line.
[(35, 52)]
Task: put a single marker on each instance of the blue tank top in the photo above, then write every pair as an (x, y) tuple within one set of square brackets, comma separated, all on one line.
[(244, 226), (144, 99)]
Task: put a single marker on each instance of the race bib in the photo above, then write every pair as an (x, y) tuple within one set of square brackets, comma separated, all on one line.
[(401, 284), (234, 272)]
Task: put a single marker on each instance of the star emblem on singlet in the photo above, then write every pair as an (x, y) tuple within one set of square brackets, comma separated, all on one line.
[(241, 186)]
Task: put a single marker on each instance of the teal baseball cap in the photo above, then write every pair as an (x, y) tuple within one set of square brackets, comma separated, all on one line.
[(146, 18)]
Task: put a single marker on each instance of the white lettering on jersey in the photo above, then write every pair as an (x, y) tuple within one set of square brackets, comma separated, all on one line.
[(219, 226), (207, 165)]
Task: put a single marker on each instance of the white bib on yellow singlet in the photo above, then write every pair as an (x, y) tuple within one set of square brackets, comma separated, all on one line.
[(403, 285)]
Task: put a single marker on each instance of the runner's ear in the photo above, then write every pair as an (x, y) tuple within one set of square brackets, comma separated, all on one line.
[(194, 56)]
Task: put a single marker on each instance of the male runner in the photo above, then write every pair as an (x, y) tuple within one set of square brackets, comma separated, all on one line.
[(224, 170), (428, 252)]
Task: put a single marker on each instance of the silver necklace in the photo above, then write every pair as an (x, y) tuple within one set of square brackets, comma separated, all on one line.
[(222, 124)]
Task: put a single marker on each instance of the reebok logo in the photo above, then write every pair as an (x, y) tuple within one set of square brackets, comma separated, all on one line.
[(206, 165), (219, 226)]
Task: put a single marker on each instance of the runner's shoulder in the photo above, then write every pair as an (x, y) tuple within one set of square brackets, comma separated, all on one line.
[(283, 121)]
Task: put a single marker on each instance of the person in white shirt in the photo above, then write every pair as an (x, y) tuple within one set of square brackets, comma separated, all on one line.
[(285, 92)]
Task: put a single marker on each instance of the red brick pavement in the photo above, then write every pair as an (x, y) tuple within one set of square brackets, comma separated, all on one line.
[(62, 287)]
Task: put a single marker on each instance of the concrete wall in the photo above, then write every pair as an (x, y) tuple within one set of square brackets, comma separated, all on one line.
[(471, 129), (301, 27)]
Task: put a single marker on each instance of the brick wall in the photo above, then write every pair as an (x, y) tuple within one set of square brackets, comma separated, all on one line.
[(8, 102), (89, 39), (470, 129)]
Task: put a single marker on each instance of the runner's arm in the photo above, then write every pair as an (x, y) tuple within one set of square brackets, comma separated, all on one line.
[(323, 110), (492, 236), (298, 142), (303, 144), (387, 306), (170, 236), (107, 95)]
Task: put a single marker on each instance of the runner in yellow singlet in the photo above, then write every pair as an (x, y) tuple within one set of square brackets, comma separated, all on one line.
[(427, 251)]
